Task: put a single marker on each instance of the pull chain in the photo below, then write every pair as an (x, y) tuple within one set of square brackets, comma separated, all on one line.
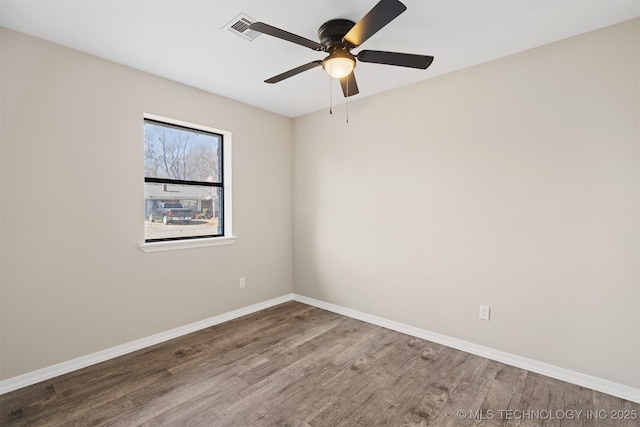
[(330, 97), (347, 100)]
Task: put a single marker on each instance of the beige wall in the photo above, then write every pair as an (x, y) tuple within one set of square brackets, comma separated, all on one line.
[(513, 184), (73, 278)]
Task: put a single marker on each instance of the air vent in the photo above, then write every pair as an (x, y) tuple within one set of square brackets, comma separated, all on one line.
[(240, 27)]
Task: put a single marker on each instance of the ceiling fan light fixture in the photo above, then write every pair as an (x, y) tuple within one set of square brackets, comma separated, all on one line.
[(339, 64)]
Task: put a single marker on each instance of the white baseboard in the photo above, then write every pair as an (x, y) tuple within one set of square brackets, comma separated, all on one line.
[(110, 353), (598, 384)]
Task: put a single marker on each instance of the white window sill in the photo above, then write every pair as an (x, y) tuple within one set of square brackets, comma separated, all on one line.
[(173, 245)]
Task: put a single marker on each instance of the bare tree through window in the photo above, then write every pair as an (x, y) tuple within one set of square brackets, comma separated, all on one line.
[(180, 154)]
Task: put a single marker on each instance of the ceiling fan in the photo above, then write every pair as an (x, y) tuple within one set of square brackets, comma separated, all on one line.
[(339, 36)]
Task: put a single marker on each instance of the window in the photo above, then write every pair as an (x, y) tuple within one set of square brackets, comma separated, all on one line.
[(186, 188)]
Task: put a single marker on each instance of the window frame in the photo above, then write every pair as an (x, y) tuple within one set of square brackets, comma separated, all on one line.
[(227, 237)]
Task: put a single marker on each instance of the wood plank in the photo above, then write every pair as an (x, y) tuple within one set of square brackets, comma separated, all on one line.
[(297, 365)]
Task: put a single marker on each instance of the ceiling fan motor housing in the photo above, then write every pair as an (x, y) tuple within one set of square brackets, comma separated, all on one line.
[(332, 32)]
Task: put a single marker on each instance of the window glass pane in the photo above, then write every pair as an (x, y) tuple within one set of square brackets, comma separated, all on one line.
[(174, 152), (178, 211)]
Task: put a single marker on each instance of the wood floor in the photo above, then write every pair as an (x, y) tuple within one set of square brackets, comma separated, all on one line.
[(296, 365)]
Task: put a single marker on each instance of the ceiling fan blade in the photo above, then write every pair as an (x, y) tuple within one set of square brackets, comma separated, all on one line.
[(349, 85), (394, 58), (293, 72), (263, 28), (381, 14)]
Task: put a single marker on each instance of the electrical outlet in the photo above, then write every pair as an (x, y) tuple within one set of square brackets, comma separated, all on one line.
[(243, 282), (484, 312)]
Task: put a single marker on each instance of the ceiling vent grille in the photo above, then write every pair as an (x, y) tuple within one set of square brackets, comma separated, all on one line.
[(240, 27)]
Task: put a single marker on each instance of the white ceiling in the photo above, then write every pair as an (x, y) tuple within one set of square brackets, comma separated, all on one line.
[(184, 40)]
